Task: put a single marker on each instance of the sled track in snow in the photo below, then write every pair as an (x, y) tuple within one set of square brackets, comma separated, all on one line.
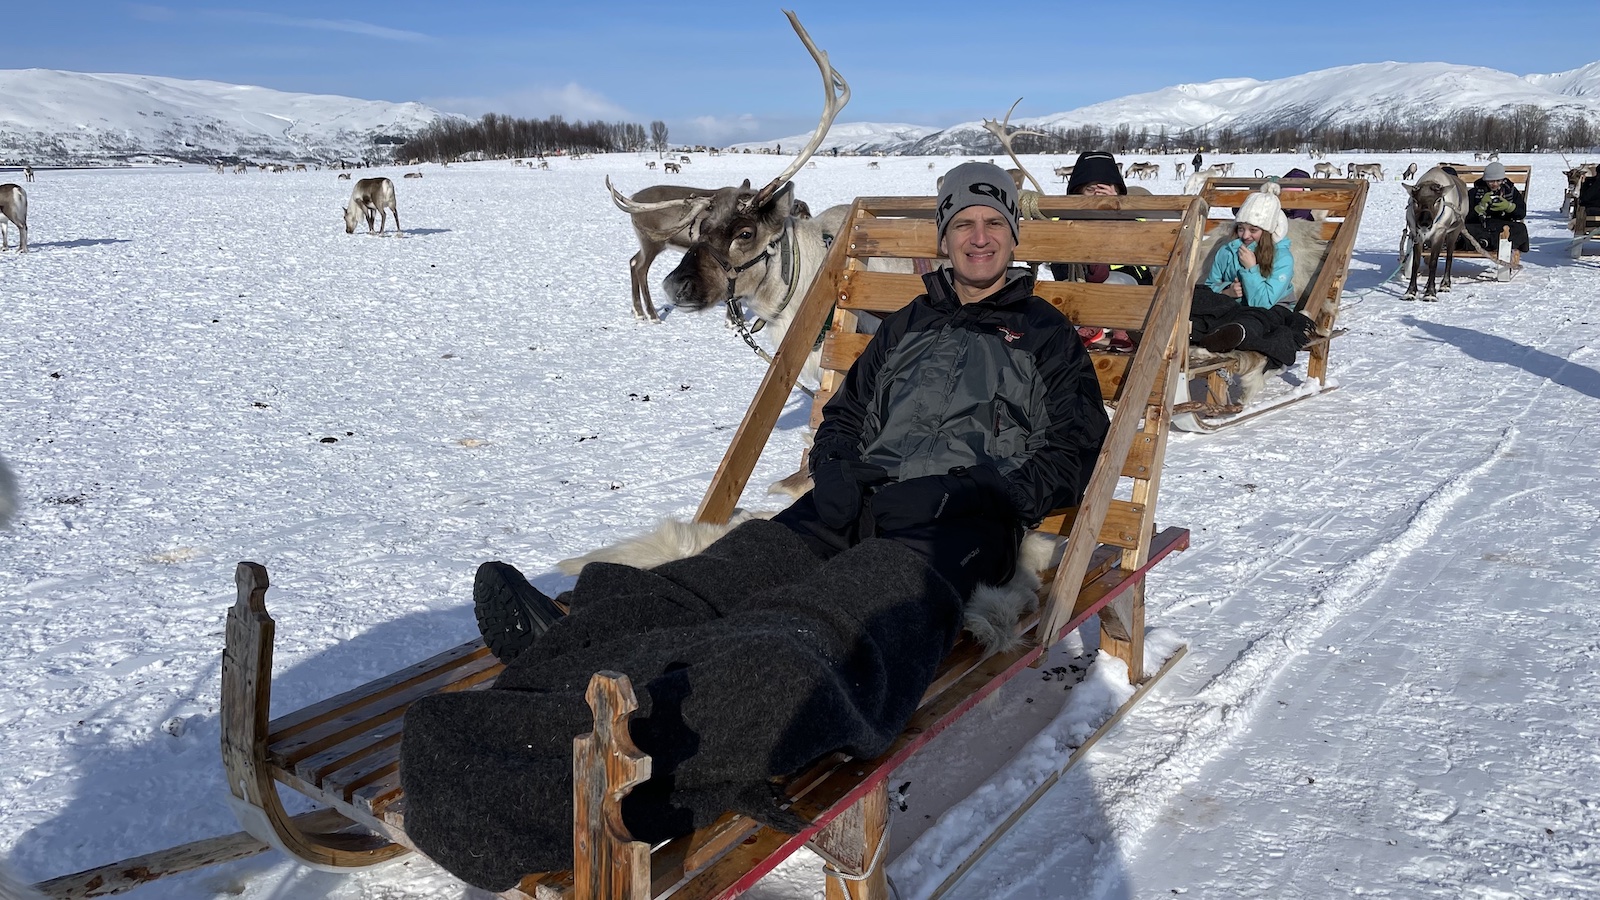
[(1134, 797)]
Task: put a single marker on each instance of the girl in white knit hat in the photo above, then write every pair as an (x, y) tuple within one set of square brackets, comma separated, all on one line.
[(1247, 302)]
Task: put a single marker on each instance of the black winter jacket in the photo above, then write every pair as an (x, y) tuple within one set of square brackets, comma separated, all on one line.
[(1004, 382), (1508, 191)]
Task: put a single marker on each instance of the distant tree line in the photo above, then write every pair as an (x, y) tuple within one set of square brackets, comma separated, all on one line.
[(1523, 129), (498, 136)]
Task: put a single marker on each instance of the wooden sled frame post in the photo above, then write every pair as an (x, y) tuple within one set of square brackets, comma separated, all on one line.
[(246, 697), (1122, 625)]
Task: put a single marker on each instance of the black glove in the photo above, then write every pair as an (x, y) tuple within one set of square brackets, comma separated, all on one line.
[(964, 493), (837, 488)]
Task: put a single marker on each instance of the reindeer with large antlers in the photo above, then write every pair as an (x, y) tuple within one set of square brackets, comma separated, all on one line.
[(742, 246)]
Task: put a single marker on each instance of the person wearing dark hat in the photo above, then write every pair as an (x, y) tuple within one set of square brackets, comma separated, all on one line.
[(973, 412), (1493, 204), (1095, 174), (1304, 214)]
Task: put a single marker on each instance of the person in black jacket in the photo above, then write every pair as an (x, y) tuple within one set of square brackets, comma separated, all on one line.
[(1494, 203), (1589, 196), (973, 412)]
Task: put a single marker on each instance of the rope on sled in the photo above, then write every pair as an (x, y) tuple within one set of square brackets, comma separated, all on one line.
[(835, 869)]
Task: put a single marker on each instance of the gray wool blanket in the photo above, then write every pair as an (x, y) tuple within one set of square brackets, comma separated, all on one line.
[(750, 661)]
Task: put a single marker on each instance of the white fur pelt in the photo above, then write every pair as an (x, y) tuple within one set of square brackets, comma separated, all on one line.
[(14, 888), (992, 612), (672, 539)]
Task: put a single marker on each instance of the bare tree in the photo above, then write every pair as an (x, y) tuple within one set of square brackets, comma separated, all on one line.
[(658, 135)]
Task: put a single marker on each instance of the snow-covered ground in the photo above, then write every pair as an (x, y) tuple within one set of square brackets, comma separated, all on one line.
[(1393, 678)]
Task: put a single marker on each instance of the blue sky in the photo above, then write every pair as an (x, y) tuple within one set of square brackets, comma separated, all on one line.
[(722, 72)]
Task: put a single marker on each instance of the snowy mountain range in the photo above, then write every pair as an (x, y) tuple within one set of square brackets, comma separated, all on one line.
[(1368, 92), (51, 117)]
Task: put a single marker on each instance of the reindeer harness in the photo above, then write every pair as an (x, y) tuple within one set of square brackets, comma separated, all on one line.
[(788, 262)]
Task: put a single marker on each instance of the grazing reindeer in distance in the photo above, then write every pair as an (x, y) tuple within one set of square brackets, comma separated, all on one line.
[(14, 207), (1143, 170), (1062, 172), (650, 164), (344, 176), (1435, 216), (683, 159), (1325, 170), (412, 175), (1180, 169), (27, 173), (671, 168), (873, 164), (369, 197), (1372, 171), (1410, 172)]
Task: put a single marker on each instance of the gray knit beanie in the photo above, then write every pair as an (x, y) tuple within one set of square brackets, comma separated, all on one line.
[(1494, 172), (977, 184)]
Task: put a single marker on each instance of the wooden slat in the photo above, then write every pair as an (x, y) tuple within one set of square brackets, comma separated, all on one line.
[(840, 349), (1336, 200), (1112, 370), (388, 702), (1143, 243), (290, 724), (1125, 306), (1105, 305), (1121, 528), (1053, 205)]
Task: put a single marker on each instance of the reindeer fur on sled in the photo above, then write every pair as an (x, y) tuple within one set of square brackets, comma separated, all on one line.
[(991, 614)]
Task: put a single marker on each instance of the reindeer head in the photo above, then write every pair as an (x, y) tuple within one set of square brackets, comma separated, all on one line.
[(352, 215), (738, 249)]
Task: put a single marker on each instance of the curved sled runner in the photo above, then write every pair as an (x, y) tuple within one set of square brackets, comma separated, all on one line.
[(344, 752), (1221, 389)]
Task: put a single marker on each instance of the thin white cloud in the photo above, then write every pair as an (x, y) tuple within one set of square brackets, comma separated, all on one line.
[(348, 26), (717, 131), (571, 100)]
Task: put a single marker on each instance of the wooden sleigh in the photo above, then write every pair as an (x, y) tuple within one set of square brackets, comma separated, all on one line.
[(343, 752), (1214, 398)]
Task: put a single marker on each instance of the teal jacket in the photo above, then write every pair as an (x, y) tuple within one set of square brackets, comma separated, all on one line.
[(1259, 291)]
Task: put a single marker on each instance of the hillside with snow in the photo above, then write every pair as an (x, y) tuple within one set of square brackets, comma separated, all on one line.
[(50, 117), (853, 137), (1344, 95)]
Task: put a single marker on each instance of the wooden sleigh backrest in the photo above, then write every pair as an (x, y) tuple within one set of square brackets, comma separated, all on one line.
[(1471, 172), (1342, 200), (1148, 230)]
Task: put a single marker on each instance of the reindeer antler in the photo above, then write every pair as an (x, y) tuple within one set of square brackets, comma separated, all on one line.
[(837, 94), (1002, 131), (693, 208)]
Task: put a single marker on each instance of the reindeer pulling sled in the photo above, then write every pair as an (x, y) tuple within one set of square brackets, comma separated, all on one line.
[(1506, 258)]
